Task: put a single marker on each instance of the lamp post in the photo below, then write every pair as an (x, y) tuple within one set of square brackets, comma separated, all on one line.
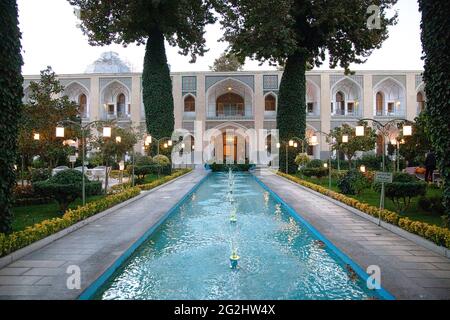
[(149, 140), (384, 129), (293, 144), (330, 141), (60, 131)]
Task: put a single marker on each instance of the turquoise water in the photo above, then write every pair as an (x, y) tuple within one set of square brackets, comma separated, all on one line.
[(187, 257)]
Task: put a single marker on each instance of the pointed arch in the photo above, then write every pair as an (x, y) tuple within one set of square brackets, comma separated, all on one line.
[(110, 95), (351, 92), (394, 97), (233, 85), (79, 93)]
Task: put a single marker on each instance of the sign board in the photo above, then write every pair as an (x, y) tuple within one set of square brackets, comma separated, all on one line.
[(72, 158), (385, 177)]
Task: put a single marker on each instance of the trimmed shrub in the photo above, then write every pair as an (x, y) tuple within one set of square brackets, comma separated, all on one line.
[(353, 182), (66, 186), (433, 205), (40, 174), (302, 159), (25, 196), (222, 167), (403, 188), (314, 172), (315, 163)]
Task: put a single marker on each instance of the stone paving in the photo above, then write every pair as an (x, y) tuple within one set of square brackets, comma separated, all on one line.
[(408, 271), (94, 247)]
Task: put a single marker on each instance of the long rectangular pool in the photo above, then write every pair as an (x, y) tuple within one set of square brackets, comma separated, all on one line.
[(188, 256)]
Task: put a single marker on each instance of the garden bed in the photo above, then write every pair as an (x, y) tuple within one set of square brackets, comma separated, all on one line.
[(436, 234)]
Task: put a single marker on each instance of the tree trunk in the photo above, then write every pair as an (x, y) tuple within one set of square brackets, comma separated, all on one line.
[(11, 93), (291, 113), (157, 88)]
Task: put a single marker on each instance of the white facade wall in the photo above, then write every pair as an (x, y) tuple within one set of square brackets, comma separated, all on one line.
[(399, 89)]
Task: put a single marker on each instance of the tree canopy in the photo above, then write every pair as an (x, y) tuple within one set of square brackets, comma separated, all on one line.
[(301, 34), (341, 29), (46, 107), (182, 23), (227, 62)]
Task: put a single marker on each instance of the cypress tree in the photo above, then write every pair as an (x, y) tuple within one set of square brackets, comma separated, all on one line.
[(158, 91), (11, 92)]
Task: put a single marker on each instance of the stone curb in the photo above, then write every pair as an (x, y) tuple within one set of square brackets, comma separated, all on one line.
[(394, 229), (18, 254)]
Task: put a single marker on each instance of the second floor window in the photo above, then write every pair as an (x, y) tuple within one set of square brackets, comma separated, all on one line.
[(379, 104), (270, 103), (82, 102), (420, 102), (189, 104)]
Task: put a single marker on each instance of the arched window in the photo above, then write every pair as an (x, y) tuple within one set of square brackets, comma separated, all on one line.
[(420, 102), (82, 103), (230, 104), (340, 103), (379, 104), (189, 104), (270, 103), (121, 105)]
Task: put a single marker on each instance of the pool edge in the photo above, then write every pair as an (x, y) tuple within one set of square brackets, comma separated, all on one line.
[(346, 259), (90, 291)]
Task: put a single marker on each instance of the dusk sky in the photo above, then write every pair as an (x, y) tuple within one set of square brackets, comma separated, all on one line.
[(50, 37)]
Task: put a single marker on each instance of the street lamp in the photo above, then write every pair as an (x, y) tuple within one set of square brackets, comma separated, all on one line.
[(60, 134), (118, 139), (362, 168), (149, 139), (345, 138), (407, 130), (36, 136), (314, 141), (107, 132), (359, 131)]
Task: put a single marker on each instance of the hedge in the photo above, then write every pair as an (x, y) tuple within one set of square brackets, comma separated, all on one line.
[(156, 183), (438, 235)]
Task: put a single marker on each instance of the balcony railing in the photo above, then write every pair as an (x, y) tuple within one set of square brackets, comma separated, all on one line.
[(228, 116)]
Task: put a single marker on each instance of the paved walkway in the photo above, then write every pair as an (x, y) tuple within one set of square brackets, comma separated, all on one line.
[(94, 247), (408, 271)]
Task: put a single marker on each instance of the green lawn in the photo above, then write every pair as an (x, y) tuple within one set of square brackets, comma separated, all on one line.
[(371, 197), (30, 215)]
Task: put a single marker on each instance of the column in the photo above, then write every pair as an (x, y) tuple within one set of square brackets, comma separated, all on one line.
[(325, 115), (411, 97)]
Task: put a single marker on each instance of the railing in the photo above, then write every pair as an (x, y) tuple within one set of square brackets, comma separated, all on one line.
[(229, 116)]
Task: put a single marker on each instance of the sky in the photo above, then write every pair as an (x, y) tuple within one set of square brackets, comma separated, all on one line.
[(50, 38)]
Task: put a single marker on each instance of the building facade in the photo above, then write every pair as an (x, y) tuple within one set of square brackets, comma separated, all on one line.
[(245, 100)]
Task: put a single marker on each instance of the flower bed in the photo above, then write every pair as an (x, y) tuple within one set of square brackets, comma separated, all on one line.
[(438, 235)]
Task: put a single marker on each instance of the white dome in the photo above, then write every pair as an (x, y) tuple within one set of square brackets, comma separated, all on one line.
[(109, 62)]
